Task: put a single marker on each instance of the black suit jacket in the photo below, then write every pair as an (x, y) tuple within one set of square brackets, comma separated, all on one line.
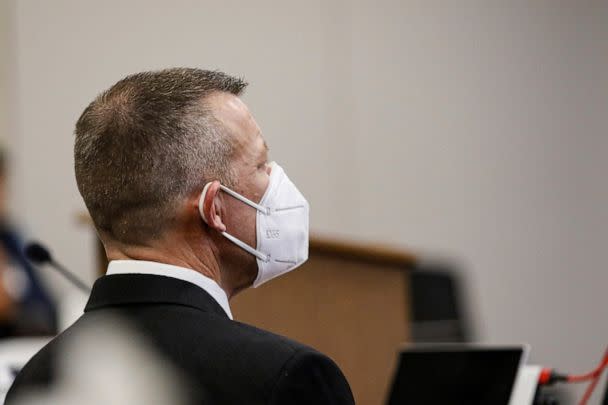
[(228, 362)]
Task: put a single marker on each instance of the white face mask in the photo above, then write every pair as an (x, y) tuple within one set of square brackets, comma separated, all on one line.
[(281, 226)]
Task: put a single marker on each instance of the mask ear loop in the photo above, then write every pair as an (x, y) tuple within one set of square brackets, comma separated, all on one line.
[(261, 208), (233, 239)]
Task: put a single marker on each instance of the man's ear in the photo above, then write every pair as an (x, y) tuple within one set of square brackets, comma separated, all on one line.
[(210, 206)]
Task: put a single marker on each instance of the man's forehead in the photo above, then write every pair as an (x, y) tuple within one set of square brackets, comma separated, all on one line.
[(229, 108), (236, 118)]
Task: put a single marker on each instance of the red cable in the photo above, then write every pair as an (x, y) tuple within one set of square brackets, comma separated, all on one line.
[(589, 391), (589, 376), (548, 376), (594, 375)]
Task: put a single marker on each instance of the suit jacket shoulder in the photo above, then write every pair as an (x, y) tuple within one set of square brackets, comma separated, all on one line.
[(227, 362)]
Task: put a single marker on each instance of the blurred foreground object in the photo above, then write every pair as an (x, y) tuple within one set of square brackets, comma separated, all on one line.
[(108, 362), (14, 353)]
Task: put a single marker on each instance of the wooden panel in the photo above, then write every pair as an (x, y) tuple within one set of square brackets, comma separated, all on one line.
[(352, 310), (371, 253)]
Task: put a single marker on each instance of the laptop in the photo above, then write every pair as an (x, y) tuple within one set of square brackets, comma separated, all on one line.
[(456, 374)]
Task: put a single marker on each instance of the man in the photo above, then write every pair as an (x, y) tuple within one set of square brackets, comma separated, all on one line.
[(174, 172)]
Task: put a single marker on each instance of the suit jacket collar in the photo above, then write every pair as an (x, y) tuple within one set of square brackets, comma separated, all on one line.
[(125, 289)]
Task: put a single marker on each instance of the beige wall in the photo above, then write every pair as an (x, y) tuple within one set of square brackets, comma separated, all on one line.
[(472, 129), (5, 17)]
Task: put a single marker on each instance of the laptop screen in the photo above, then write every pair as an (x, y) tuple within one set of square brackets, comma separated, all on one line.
[(455, 375)]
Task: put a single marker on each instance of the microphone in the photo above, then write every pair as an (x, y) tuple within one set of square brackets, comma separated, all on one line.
[(38, 254)]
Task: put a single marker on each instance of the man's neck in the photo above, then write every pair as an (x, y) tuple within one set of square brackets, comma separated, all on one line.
[(204, 262)]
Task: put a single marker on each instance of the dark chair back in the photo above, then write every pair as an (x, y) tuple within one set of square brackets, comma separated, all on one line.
[(437, 306)]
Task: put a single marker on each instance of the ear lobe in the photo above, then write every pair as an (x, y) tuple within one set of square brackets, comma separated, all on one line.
[(210, 206)]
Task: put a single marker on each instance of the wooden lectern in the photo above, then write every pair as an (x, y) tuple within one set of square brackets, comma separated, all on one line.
[(349, 301)]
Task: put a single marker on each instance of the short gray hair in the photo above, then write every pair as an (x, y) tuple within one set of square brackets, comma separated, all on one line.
[(148, 142)]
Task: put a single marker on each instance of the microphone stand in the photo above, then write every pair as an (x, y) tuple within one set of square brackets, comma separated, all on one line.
[(73, 279)]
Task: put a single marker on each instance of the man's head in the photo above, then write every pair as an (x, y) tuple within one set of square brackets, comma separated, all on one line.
[(145, 149)]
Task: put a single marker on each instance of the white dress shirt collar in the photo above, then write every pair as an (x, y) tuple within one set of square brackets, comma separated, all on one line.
[(168, 270)]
